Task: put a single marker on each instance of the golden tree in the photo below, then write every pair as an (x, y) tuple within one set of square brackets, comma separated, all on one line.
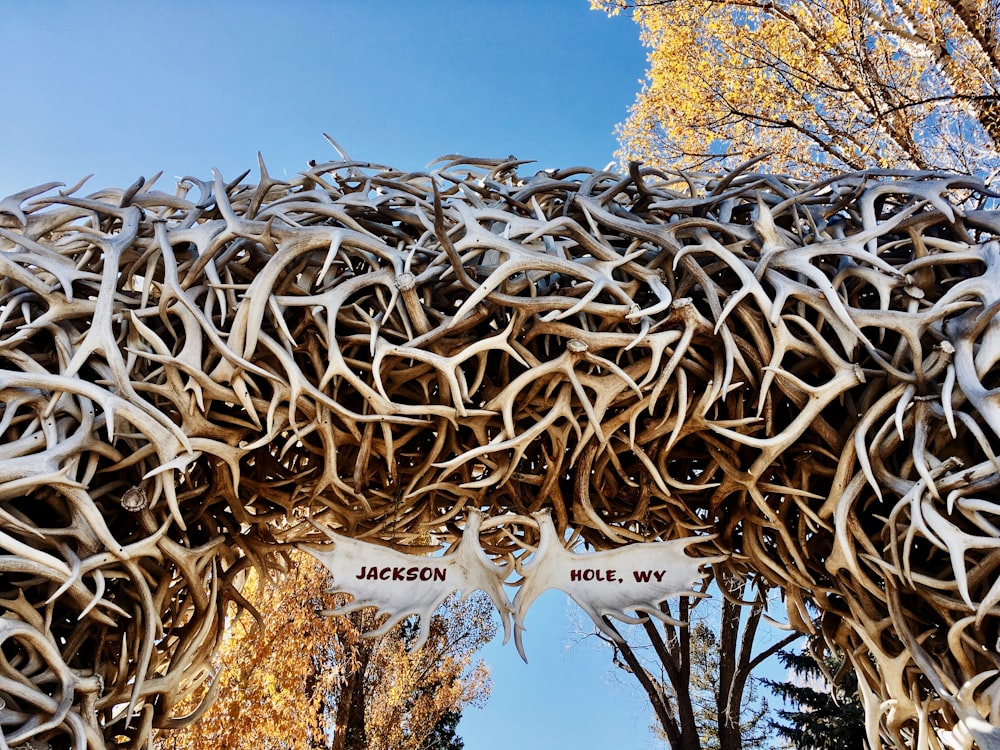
[(293, 679), (817, 84)]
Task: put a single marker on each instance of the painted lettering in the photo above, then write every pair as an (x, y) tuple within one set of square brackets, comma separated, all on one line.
[(643, 576), (416, 573), (594, 574)]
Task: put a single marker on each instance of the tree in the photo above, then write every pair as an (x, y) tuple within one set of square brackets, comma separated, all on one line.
[(700, 683), (828, 715), (293, 679), (444, 736), (817, 84)]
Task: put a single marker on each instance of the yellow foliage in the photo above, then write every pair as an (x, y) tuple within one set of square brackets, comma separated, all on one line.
[(287, 678), (816, 84)]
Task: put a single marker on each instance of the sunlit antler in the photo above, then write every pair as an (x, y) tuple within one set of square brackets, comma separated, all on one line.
[(802, 374)]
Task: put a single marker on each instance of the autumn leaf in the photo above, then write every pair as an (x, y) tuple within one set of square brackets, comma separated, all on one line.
[(814, 85), (293, 679)]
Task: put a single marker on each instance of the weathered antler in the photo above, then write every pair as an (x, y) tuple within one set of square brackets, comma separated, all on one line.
[(803, 374)]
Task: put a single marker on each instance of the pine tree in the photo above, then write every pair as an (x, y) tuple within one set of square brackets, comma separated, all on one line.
[(444, 736), (826, 717)]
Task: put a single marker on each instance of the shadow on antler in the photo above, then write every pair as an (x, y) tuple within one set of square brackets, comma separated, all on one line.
[(803, 375)]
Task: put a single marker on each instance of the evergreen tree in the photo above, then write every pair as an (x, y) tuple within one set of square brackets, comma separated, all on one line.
[(445, 736), (826, 717)]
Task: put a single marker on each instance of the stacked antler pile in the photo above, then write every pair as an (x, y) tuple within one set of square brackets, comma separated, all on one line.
[(806, 371)]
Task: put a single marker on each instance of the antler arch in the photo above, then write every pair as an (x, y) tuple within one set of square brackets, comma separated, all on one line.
[(802, 373)]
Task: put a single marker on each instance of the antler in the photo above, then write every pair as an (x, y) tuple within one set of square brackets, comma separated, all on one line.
[(800, 373)]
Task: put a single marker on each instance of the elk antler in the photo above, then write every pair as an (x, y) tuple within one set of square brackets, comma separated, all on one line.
[(801, 373)]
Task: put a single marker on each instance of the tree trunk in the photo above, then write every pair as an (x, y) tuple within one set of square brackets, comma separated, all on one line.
[(730, 692), (349, 732)]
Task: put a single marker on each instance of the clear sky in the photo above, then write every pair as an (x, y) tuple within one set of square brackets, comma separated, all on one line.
[(123, 89), (128, 89)]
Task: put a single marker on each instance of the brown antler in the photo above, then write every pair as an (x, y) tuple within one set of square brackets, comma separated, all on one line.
[(804, 374)]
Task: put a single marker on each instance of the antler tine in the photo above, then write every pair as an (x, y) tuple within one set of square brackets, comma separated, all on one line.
[(780, 368)]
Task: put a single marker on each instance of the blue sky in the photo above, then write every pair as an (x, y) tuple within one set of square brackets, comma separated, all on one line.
[(127, 89)]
